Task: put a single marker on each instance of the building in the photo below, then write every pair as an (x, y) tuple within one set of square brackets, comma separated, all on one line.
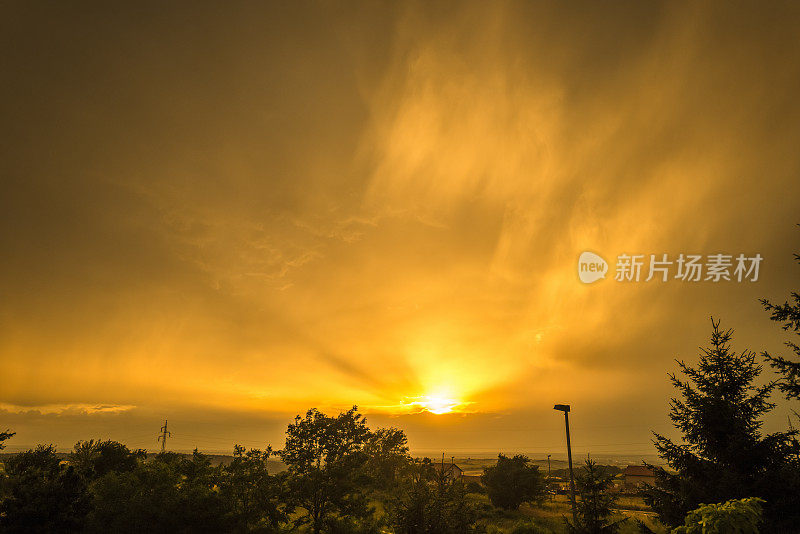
[(637, 476), (451, 470)]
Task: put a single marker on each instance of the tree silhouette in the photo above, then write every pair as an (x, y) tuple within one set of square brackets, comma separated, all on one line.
[(788, 314), (511, 481), (387, 457), (250, 492), (325, 456), (5, 436), (42, 496), (165, 494), (431, 502), (724, 454), (594, 501), (94, 459)]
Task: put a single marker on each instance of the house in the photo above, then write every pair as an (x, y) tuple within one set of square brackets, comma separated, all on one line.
[(451, 470), (637, 476)]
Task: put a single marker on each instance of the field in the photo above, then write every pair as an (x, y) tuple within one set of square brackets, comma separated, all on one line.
[(550, 516)]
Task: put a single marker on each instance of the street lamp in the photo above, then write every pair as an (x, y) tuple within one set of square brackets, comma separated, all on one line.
[(565, 408)]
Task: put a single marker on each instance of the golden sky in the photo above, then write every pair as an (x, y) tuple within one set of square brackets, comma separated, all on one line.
[(227, 214)]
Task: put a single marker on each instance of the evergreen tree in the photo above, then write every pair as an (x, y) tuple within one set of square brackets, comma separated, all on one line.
[(723, 454), (594, 501), (788, 314)]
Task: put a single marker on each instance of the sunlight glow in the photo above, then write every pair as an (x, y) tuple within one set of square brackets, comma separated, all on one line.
[(437, 405), (440, 402)]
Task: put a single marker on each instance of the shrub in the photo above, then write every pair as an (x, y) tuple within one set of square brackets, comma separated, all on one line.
[(736, 515)]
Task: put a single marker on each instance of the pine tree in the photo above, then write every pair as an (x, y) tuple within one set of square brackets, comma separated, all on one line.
[(787, 313), (724, 454), (595, 501)]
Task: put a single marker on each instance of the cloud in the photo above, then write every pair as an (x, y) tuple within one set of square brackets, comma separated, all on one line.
[(66, 409), (367, 204)]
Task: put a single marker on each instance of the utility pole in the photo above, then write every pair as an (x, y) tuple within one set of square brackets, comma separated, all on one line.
[(565, 408), (548, 478), (164, 435)]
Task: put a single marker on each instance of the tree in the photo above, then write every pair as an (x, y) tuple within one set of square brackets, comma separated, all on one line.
[(203, 508), (741, 516), (431, 502), (387, 457), (787, 313), (94, 459), (5, 436), (724, 454), (325, 456), (145, 499), (250, 492), (167, 494), (43, 496), (594, 501), (511, 482)]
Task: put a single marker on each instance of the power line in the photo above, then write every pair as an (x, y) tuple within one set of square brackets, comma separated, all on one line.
[(163, 437)]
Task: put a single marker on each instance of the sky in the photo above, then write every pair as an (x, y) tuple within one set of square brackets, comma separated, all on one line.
[(224, 214)]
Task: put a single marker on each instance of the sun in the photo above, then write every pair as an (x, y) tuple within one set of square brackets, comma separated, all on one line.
[(437, 401), (437, 405)]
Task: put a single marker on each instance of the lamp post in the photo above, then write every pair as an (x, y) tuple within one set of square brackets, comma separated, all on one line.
[(565, 408), (549, 484)]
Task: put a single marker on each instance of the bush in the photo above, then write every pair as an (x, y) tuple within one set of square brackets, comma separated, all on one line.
[(475, 487), (737, 515)]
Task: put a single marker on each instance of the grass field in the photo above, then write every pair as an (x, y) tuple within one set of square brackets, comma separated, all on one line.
[(549, 517)]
